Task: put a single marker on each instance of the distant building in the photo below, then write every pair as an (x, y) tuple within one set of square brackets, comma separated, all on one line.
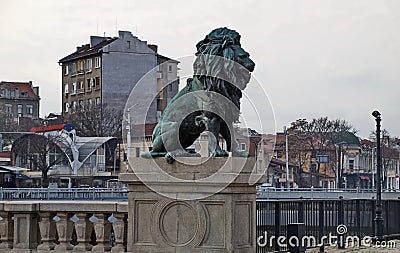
[(105, 71), (77, 160), (19, 101)]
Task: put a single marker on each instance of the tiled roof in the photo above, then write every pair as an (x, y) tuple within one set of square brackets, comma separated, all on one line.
[(387, 152), (349, 138), (25, 90), (87, 50)]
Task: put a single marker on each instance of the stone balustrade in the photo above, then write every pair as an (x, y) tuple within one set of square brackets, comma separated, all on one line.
[(63, 226)]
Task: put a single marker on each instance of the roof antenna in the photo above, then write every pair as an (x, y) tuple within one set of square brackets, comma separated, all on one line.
[(104, 34), (116, 26)]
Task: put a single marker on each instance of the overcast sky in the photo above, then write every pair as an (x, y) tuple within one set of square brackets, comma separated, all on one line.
[(337, 58)]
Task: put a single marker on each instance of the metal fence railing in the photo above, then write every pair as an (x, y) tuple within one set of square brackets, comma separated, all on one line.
[(322, 218), (63, 194)]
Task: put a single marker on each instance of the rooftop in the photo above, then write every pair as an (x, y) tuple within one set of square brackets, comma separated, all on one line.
[(87, 50), (17, 90)]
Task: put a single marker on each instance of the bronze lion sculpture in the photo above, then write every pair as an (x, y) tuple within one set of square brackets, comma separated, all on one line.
[(209, 102)]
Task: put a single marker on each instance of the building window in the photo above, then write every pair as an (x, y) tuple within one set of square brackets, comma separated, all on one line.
[(73, 92), (66, 88), (169, 68), (73, 70), (97, 62), (81, 85), (9, 110), (170, 87), (88, 84), (74, 106), (128, 44), (89, 103), (29, 109), (88, 65), (98, 101), (97, 83), (66, 107), (243, 146), (81, 105), (351, 165), (66, 70), (80, 66), (19, 111)]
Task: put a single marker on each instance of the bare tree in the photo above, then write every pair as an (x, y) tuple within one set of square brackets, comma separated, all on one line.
[(39, 151), (96, 121), (317, 137)]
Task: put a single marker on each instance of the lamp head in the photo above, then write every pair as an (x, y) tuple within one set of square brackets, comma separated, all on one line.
[(376, 114)]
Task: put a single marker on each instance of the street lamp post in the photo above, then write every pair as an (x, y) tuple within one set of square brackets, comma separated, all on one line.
[(287, 157), (128, 135), (378, 209)]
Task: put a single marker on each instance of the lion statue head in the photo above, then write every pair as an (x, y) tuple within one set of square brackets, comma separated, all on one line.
[(222, 65)]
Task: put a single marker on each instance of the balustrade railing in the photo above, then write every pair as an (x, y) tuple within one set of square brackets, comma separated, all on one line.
[(65, 226)]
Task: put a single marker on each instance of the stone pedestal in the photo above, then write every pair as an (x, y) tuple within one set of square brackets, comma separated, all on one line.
[(194, 205), (6, 231), (25, 232)]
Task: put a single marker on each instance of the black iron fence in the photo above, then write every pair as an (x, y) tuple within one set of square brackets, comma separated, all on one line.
[(326, 221)]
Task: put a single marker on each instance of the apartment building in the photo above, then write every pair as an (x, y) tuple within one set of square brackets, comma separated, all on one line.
[(105, 71), (19, 101)]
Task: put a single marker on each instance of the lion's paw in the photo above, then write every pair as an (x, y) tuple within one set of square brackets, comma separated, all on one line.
[(170, 159)]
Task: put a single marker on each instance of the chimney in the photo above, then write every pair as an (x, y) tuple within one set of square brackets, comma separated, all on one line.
[(122, 34), (153, 47), (80, 48), (36, 90), (30, 84), (95, 40)]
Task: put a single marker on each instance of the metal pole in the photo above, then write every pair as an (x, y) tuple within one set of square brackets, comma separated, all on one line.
[(337, 166), (129, 135), (378, 212), (373, 168), (287, 158)]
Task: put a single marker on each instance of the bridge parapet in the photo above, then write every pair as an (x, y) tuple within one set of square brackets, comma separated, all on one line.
[(63, 226)]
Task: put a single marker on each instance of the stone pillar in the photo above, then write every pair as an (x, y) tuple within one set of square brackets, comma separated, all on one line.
[(119, 233), (208, 206), (25, 232), (47, 228), (6, 231), (102, 229), (64, 229), (83, 228)]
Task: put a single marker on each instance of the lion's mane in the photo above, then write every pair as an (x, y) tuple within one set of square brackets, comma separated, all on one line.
[(215, 65)]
